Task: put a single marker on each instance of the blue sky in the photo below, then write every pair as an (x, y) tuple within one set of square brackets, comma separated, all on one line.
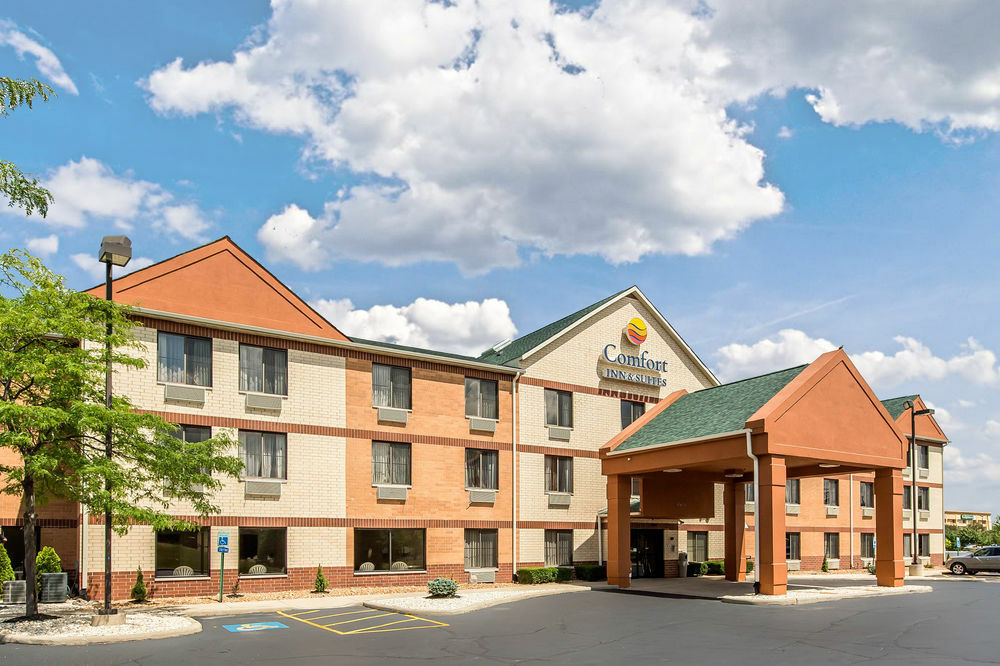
[(841, 190)]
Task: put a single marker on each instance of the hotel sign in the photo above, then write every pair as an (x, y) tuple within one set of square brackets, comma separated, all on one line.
[(633, 366)]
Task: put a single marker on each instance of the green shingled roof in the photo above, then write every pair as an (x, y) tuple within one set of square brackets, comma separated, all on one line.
[(711, 411), (526, 343), (417, 350), (895, 405)]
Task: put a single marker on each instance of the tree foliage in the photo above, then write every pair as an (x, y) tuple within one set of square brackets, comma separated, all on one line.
[(971, 535), (6, 568), (53, 416), (21, 189)]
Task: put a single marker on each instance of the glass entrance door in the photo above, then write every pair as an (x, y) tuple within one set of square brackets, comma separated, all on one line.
[(647, 553)]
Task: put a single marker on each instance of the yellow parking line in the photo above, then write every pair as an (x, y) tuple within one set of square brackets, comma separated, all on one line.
[(301, 619), (358, 619), (323, 617), (434, 624), (377, 629)]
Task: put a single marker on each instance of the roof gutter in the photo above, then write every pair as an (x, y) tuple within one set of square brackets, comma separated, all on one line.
[(315, 339), (692, 440)]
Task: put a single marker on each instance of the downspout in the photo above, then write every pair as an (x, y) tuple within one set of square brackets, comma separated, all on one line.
[(81, 584), (850, 480), (600, 537), (515, 417), (756, 509)]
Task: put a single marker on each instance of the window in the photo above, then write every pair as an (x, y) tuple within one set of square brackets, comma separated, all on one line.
[(831, 492), (481, 469), (390, 464), (558, 408), (867, 545), (262, 551), (263, 454), (558, 474), (193, 433), (481, 398), (697, 546), (748, 492), (263, 370), (907, 497), (924, 545), (183, 359), (631, 410), (177, 551), (481, 549), (924, 499), (558, 548), (636, 486), (923, 457), (390, 386), (831, 545), (793, 546), (389, 550), (906, 546), (792, 490), (867, 495)]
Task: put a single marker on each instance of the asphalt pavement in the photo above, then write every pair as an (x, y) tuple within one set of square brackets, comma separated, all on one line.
[(957, 623)]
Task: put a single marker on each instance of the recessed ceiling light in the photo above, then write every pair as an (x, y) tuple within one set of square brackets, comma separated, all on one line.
[(733, 474), (828, 465), (673, 470)]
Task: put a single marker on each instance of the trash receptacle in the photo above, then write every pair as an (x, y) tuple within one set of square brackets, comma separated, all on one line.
[(682, 565)]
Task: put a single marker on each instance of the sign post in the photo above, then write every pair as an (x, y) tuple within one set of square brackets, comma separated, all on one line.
[(223, 547)]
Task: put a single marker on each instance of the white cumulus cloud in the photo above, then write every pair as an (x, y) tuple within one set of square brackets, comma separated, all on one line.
[(95, 270), (979, 466), (464, 328), (45, 60), (44, 246)]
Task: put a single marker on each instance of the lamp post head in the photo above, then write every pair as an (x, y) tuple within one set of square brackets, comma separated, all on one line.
[(923, 412), (116, 250)]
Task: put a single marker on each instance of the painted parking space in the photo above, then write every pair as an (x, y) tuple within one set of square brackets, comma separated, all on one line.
[(355, 620)]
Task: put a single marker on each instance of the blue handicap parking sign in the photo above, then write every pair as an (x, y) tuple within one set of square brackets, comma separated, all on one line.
[(253, 626)]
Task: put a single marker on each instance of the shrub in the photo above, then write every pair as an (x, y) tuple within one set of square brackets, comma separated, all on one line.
[(697, 569), (537, 575), (871, 568), (591, 572), (715, 567), (749, 565), (47, 561), (442, 587), (6, 569), (826, 565), (139, 589), (319, 585), (564, 574)]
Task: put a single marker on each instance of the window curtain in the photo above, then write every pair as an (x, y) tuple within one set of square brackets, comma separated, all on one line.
[(551, 482), (551, 407), (250, 443), (198, 355), (400, 378), (923, 457), (380, 462), (473, 475), (480, 549), (400, 464), (558, 548), (275, 369), (565, 466), (748, 492), (472, 397), (381, 385), (251, 368), (830, 494), (170, 358), (566, 409), (867, 494), (491, 473), (792, 491), (488, 391)]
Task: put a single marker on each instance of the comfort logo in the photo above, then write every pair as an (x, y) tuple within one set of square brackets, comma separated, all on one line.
[(636, 331)]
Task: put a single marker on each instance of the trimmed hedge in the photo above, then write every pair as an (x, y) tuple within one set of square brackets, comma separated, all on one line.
[(538, 575), (715, 567), (591, 572), (697, 569)]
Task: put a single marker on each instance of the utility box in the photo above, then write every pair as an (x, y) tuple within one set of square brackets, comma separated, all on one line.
[(53, 588)]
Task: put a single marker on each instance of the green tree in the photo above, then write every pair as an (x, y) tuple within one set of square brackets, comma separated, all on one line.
[(22, 190), (6, 569), (53, 417)]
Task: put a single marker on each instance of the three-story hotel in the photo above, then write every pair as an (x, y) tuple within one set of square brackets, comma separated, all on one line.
[(391, 465)]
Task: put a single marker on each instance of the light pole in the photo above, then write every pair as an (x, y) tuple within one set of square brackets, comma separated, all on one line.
[(914, 413), (115, 251)]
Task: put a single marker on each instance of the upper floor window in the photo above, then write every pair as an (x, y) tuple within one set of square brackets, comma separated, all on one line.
[(263, 370), (558, 408), (831, 492), (748, 492), (636, 483), (631, 410), (390, 463), (183, 359), (924, 499), (481, 469), (558, 474), (867, 494), (908, 497), (390, 386), (923, 457), (264, 454), (481, 398), (792, 491)]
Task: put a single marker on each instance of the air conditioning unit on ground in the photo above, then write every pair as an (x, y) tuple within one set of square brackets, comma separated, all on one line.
[(174, 393), (263, 488), (483, 576), (391, 492)]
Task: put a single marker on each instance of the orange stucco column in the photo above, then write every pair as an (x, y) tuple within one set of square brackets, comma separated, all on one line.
[(889, 569), (735, 531), (771, 559), (619, 530)]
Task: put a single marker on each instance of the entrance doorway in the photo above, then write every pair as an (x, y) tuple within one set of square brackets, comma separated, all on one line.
[(647, 553)]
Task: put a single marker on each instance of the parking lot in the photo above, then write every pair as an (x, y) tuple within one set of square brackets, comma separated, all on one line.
[(955, 624)]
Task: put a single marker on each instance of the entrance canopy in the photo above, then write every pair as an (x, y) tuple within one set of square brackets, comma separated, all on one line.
[(811, 420)]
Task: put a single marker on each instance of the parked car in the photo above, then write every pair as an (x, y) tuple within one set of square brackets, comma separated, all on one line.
[(984, 559)]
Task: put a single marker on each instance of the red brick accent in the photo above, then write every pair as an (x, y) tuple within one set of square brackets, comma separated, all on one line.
[(41, 522), (671, 569)]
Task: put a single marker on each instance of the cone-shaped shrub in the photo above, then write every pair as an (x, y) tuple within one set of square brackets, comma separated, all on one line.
[(139, 589), (319, 585)]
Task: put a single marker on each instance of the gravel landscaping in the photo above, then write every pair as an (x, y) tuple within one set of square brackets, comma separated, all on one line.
[(471, 599), (69, 624)]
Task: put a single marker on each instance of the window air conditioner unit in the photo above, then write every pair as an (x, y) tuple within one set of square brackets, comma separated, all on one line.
[(263, 488), (868, 512), (559, 499), (833, 511), (262, 401), (747, 507), (792, 509), (392, 415), (483, 576), (391, 492), (559, 433), (482, 496), (174, 393), (482, 425)]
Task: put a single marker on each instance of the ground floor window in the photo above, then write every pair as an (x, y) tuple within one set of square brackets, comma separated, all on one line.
[(697, 546), (558, 548), (182, 553), (262, 550), (481, 549), (792, 491), (924, 545), (868, 545), (831, 545), (906, 546), (389, 550), (793, 546)]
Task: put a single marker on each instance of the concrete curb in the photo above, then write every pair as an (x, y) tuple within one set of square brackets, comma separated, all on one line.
[(854, 593), (193, 627), (388, 605), (273, 605)]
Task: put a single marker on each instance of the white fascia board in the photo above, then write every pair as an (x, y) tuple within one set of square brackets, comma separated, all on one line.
[(693, 440)]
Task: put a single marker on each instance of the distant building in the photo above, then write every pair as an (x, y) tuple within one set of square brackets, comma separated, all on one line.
[(981, 519)]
